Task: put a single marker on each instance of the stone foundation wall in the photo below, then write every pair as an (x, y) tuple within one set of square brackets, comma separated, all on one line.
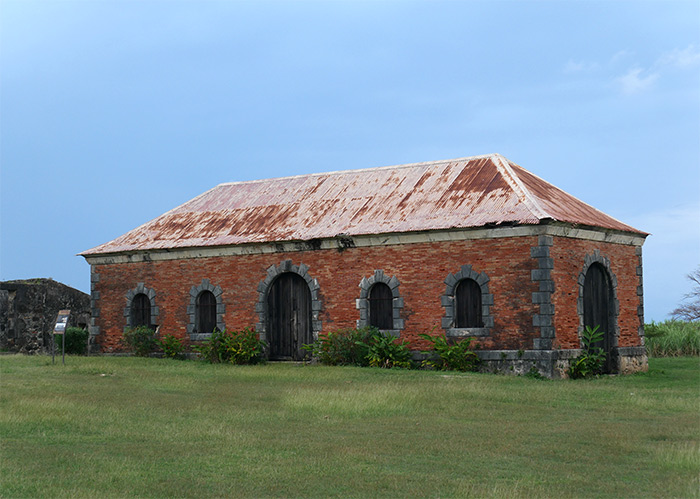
[(554, 364)]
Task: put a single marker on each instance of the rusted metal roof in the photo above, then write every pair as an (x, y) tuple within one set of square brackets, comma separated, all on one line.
[(460, 193)]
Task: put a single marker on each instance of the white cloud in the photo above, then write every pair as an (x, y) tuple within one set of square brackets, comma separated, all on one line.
[(619, 55), (636, 80), (688, 57), (580, 66)]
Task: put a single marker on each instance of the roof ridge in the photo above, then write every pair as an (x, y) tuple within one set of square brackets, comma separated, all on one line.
[(517, 185), (588, 205), (361, 170)]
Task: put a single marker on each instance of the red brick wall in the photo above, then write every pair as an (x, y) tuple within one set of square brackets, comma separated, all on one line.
[(420, 269), (568, 255)]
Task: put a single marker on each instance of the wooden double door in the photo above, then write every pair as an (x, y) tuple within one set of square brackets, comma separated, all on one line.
[(289, 317)]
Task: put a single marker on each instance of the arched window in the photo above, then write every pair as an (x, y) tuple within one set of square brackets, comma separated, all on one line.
[(141, 311), (380, 306), (468, 304), (380, 303), (206, 312)]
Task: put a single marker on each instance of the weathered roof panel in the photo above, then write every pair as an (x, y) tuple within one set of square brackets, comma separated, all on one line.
[(460, 193)]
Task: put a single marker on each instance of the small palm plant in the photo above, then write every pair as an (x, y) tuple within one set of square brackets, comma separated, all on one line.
[(592, 359)]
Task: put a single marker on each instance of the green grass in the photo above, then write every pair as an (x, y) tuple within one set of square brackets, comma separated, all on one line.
[(121, 427), (672, 338)]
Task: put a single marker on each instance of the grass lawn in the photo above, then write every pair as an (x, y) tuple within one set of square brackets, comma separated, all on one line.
[(115, 427)]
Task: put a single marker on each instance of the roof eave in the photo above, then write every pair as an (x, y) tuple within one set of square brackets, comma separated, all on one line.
[(500, 230)]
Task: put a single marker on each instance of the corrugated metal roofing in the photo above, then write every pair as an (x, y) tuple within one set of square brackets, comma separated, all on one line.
[(459, 193)]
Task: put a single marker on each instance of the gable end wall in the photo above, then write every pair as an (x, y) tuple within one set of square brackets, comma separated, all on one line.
[(570, 259)]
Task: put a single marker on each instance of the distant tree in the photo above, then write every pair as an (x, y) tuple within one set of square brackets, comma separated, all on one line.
[(690, 311)]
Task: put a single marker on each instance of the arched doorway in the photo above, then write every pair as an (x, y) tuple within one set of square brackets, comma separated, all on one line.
[(597, 308), (289, 317)]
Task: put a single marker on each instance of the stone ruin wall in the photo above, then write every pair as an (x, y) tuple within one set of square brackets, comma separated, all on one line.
[(28, 309)]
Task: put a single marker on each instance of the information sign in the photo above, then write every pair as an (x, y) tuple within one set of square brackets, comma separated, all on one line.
[(60, 328), (61, 322)]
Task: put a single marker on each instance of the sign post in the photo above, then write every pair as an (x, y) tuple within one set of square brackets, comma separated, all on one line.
[(60, 328)]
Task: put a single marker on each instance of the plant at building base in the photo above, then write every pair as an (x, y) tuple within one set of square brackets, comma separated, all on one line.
[(344, 347), (76, 339), (233, 347), (449, 355), (387, 351), (172, 347), (592, 358), (535, 373), (365, 346), (140, 340)]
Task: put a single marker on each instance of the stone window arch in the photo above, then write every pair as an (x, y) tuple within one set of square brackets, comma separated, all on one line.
[(363, 303), (264, 287), (193, 310), (141, 305), (455, 284), (596, 259)]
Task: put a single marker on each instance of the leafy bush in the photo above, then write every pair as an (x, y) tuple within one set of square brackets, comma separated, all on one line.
[(173, 348), (234, 347), (387, 351), (76, 339), (366, 346), (342, 347), (450, 355), (140, 340), (592, 358), (534, 373), (672, 338)]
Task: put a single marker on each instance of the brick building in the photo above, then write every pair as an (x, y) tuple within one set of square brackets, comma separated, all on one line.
[(470, 247)]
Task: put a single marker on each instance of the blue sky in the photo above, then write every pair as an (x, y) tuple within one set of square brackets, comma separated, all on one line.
[(112, 113)]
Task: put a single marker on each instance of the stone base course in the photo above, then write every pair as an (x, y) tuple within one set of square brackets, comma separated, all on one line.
[(554, 364)]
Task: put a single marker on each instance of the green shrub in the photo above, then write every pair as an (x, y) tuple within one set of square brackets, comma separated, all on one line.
[(672, 338), (387, 352), (76, 339), (592, 358), (140, 340), (366, 346), (450, 355), (234, 347), (342, 347), (173, 347), (534, 373)]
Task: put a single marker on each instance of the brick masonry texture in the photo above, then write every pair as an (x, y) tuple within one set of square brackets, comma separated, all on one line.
[(420, 268), (568, 256), (511, 264)]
